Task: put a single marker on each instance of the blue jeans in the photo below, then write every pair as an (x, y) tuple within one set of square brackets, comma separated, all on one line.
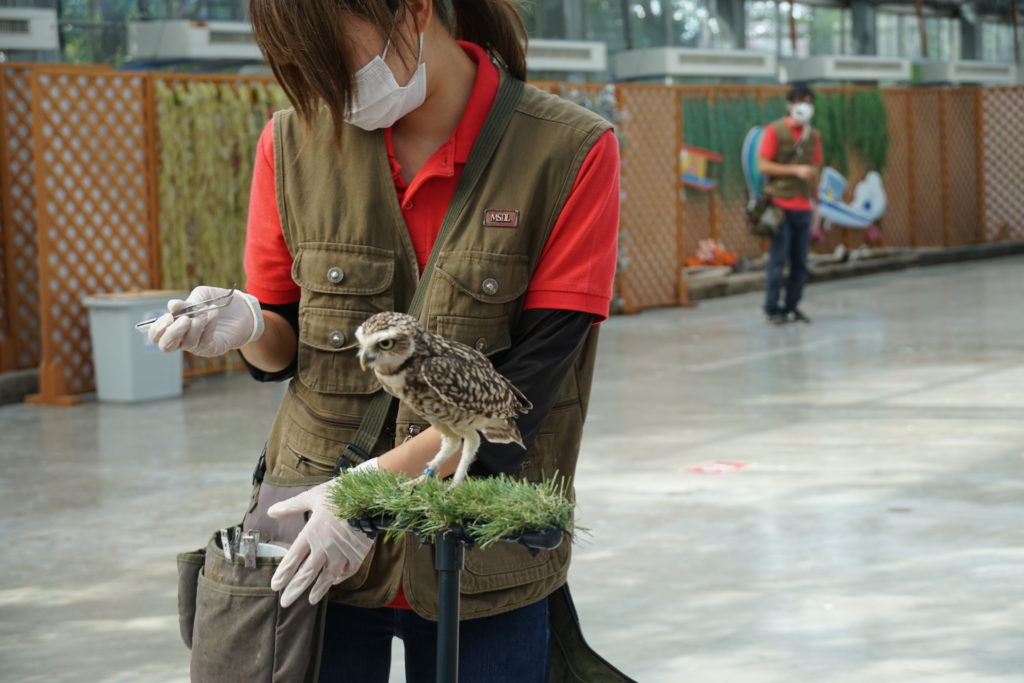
[(506, 648), (792, 242)]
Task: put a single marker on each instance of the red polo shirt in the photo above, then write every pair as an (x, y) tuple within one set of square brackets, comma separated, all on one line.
[(576, 267), (770, 145)]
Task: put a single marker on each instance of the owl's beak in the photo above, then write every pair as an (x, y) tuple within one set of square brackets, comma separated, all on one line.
[(362, 362)]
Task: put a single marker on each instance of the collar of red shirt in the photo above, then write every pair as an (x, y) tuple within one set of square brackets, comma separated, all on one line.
[(795, 126), (456, 150)]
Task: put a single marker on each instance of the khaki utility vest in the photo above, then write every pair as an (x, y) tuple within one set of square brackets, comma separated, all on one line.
[(353, 257), (788, 187)]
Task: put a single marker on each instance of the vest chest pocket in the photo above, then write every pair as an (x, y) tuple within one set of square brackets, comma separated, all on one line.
[(324, 363), (486, 335), (478, 293), (349, 276)]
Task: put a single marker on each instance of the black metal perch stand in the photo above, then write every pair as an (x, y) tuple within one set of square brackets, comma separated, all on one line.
[(449, 561)]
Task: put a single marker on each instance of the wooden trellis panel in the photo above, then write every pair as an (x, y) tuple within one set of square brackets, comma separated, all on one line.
[(19, 289), (696, 220), (94, 209), (1002, 132), (960, 165), (896, 224), (649, 243), (731, 229), (6, 344), (926, 141)]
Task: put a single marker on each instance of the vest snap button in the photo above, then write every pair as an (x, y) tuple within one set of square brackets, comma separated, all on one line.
[(480, 345), (490, 286), (335, 275), (336, 339)]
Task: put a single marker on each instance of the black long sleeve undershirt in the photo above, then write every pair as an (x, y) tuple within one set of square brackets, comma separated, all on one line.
[(545, 343)]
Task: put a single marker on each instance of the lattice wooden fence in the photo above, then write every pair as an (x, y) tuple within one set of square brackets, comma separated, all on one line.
[(961, 164), (19, 280), (95, 209), (79, 169), (650, 241), (1002, 119), (81, 195), (896, 224)]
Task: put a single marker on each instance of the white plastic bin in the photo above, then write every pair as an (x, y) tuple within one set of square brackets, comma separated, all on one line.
[(128, 367)]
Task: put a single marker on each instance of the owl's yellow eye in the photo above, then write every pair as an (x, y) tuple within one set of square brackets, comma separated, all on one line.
[(386, 344)]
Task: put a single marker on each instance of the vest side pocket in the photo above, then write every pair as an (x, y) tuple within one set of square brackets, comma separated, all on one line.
[(189, 566), (507, 565), (242, 633)]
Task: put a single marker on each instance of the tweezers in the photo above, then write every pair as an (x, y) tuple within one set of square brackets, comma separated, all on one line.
[(196, 308)]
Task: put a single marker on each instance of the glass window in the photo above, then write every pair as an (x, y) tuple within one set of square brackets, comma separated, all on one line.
[(544, 19), (762, 26), (899, 36), (831, 31), (943, 38), (673, 23), (889, 35), (602, 20), (96, 32), (802, 18), (997, 42), (820, 29), (652, 23)]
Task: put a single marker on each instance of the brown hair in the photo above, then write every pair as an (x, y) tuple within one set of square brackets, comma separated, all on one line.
[(309, 53)]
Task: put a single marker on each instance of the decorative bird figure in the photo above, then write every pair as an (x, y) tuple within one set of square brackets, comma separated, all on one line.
[(453, 386)]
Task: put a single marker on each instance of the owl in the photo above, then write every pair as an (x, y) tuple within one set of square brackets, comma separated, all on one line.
[(453, 386)]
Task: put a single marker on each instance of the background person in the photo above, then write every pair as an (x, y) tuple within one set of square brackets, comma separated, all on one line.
[(792, 182)]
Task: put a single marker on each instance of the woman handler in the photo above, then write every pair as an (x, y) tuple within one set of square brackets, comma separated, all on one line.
[(350, 192)]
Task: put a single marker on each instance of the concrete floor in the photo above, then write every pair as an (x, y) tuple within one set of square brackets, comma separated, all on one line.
[(874, 535)]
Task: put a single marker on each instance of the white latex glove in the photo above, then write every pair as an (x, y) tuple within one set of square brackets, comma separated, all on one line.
[(327, 550), (209, 334)]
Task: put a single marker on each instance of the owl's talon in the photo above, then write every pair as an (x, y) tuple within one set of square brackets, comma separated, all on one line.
[(427, 474), (414, 482)]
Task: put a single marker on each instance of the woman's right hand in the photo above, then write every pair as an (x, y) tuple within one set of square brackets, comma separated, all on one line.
[(806, 172), (213, 333)]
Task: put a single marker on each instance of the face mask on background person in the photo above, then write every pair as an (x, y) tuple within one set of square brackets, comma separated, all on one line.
[(379, 100), (803, 112)]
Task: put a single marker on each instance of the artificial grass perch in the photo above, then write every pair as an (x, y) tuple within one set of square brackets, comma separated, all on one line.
[(485, 510)]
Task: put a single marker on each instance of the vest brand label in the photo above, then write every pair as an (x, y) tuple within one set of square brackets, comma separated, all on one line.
[(501, 218)]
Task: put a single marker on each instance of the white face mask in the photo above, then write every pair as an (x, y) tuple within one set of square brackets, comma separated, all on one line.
[(803, 112), (379, 100)]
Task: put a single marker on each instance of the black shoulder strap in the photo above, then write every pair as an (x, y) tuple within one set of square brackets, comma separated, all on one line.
[(509, 92)]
